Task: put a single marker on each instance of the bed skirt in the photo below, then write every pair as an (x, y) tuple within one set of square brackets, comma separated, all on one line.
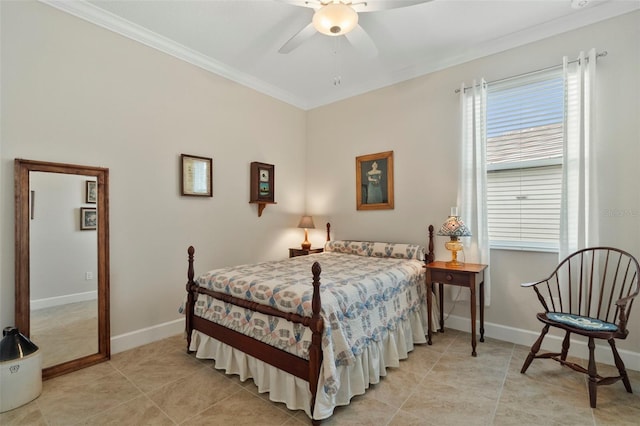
[(294, 392)]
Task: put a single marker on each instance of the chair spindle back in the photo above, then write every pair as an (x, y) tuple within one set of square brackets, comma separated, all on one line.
[(590, 281)]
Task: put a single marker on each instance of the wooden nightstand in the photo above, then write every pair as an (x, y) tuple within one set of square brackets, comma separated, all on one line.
[(464, 276), (293, 252)]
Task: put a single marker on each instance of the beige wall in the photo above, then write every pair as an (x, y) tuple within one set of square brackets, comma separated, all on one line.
[(73, 92), (418, 120)]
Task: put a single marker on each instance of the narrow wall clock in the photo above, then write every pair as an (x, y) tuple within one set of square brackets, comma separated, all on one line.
[(262, 191)]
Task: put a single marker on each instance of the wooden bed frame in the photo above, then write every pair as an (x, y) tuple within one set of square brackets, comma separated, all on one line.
[(308, 370)]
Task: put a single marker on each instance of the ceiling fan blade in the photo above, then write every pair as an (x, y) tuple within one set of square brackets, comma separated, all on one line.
[(360, 40), (303, 35), (313, 4), (375, 5)]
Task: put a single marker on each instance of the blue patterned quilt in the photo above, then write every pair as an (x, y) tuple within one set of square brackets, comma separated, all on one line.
[(363, 298)]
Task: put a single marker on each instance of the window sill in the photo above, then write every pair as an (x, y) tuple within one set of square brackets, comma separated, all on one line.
[(523, 247)]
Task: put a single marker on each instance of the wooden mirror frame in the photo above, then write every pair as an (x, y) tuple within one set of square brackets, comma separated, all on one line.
[(22, 256)]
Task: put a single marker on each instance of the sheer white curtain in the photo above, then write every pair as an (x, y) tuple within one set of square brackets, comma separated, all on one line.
[(472, 186), (579, 208)]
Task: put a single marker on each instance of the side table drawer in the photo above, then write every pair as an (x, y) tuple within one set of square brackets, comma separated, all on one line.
[(450, 277)]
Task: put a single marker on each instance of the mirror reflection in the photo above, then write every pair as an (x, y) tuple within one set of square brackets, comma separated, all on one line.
[(63, 266)]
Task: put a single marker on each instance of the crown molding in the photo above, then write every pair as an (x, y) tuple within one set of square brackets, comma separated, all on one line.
[(587, 16), (88, 12)]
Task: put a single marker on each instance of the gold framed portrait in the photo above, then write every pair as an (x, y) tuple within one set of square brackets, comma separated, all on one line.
[(374, 181)]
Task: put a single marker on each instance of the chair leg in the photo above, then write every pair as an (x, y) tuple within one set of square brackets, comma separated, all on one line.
[(565, 346), (593, 374), (534, 349), (621, 370)]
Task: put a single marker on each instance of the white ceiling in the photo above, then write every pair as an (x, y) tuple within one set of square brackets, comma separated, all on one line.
[(239, 39)]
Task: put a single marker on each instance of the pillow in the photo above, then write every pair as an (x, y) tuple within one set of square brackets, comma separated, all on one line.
[(376, 249), (361, 248)]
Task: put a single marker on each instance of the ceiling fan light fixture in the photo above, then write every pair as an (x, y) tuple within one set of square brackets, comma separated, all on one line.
[(335, 19)]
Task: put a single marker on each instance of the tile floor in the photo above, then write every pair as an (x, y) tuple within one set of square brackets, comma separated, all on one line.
[(159, 384)]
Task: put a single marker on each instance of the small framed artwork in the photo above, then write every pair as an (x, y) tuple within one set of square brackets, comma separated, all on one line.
[(374, 181), (196, 175), (88, 218), (92, 192), (262, 182)]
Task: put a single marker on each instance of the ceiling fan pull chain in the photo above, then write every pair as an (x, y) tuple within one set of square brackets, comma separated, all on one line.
[(337, 79)]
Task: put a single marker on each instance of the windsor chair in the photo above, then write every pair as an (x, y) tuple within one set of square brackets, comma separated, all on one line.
[(590, 293)]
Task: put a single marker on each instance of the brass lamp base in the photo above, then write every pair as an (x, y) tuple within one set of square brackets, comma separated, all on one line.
[(454, 246), (306, 245)]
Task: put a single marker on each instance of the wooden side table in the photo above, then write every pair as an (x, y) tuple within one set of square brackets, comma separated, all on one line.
[(463, 275), (293, 252)]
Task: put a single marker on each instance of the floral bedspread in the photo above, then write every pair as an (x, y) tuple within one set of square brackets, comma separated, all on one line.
[(363, 297)]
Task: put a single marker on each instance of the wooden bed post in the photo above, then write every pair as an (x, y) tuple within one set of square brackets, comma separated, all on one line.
[(317, 327), (191, 297), (328, 231), (430, 257)]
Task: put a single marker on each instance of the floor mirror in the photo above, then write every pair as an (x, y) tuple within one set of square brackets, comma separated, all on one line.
[(62, 262)]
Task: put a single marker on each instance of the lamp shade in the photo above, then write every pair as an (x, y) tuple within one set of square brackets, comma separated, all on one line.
[(306, 222), (454, 227), (335, 19)]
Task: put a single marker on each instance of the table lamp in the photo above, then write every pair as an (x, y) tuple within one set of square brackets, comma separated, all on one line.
[(454, 228), (306, 222)]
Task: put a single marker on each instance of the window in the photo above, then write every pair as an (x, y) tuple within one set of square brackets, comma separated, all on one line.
[(524, 143)]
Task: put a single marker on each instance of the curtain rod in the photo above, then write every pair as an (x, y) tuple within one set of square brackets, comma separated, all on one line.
[(598, 55)]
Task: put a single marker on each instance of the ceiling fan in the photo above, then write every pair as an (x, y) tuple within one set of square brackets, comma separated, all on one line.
[(340, 17)]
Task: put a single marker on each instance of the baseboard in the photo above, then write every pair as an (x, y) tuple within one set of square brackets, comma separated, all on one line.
[(518, 336), (63, 300), (143, 336), (551, 342)]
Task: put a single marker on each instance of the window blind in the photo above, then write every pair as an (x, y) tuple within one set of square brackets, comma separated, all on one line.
[(525, 131), (524, 207)]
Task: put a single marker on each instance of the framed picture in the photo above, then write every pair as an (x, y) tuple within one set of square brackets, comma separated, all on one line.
[(88, 218), (262, 182), (92, 192), (374, 181), (196, 175)]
